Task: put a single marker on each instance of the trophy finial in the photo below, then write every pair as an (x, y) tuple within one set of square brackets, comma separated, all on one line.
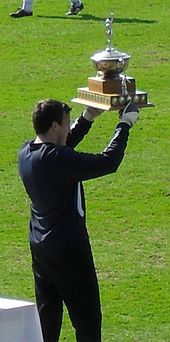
[(109, 31)]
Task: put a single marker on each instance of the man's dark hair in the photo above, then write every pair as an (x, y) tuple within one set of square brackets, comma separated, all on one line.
[(46, 112)]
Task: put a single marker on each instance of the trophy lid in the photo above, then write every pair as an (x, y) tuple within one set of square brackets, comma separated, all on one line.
[(109, 54)]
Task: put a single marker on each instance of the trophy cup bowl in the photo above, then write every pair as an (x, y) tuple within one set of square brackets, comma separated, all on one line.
[(110, 62)]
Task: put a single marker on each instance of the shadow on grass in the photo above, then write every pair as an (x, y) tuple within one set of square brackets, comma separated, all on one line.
[(94, 18), (134, 20)]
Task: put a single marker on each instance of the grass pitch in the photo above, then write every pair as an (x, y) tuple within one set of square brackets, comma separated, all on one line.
[(48, 55)]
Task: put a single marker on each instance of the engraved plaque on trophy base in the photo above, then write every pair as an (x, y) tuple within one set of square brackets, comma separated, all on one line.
[(110, 101), (111, 85)]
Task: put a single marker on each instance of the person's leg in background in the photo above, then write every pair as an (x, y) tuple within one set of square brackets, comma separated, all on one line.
[(76, 7), (25, 11), (27, 5)]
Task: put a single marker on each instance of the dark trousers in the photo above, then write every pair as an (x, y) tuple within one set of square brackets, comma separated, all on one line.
[(67, 275)]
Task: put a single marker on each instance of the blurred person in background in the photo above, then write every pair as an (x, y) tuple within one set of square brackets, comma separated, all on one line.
[(27, 9)]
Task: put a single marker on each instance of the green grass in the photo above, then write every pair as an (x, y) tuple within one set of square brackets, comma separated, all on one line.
[(48, 55)]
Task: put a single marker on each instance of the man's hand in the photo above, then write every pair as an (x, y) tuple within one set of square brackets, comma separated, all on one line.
[(130, 114), (91, 113)]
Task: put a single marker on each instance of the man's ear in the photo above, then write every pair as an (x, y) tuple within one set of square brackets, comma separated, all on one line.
[(55, 125)]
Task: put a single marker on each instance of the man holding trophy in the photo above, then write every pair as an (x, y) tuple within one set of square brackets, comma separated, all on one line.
[(52, 173)]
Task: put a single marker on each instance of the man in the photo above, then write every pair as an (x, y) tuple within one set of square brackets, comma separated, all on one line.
[(52, 173), (27, 9)]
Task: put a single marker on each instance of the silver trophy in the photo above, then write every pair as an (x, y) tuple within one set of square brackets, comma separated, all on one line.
[(111, 88)]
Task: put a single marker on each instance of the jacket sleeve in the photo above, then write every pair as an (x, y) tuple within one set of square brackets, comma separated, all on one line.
[(83, 166), (78, 130)]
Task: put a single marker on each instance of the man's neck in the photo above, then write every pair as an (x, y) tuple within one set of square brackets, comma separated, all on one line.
[(46, 138)]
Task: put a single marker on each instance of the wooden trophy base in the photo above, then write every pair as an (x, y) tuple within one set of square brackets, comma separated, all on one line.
[(108, 94), (111, 85)]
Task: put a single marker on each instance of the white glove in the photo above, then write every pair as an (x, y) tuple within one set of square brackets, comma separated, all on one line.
[(91, 113), (130, 114)]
